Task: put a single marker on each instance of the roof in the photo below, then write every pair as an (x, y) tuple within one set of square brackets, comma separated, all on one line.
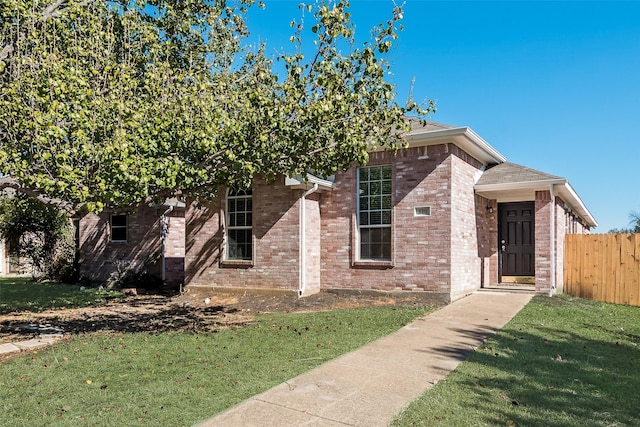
[(502, 180), (417, 124), (508, 172), (432, 133), (509, 182)]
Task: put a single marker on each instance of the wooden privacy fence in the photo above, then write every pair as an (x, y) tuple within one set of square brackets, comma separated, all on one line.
[(603, 267)]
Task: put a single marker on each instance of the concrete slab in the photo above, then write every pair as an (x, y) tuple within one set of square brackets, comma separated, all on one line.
[(8, 348), (50, 338), (370, 386), (271, 415), (33, 344)]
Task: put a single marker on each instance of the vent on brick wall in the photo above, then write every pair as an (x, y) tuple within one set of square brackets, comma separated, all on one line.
[(422, 211)]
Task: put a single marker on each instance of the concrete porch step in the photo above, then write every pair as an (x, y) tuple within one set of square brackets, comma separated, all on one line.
[(511, 287)]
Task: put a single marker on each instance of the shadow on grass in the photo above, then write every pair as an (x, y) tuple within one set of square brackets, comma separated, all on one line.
[(591, 381), (471, 337), (560, 362), (151, 313), (163, 319)]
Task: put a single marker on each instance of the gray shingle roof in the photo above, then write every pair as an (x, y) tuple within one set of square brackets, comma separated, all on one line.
[(416, 124), (507, 172)]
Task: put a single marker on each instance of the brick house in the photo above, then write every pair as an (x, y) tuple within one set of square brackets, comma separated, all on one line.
[(150, 240), (445, 216)]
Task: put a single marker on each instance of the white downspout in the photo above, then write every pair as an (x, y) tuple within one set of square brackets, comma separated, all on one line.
[(303, 241), (552, 246), (163, 225), (2, 261)]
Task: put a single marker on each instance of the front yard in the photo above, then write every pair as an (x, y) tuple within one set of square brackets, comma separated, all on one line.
[(143, 362), (561, 361)]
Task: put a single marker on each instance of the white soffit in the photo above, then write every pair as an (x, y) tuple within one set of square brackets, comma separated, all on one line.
[(526, 191), (298, 183), (463, 137)]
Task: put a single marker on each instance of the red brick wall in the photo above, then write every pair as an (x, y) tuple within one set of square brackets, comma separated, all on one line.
[(312, 242), (567, 222), (560, 232), (471, 228), (276, 252), (487, 240), (422, 248), (99, 257), (582, 229), (574, 224), (174, 248), (543, 240)]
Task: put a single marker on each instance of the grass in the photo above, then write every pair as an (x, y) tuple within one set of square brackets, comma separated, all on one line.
[(561, 361), (177, 379), (23, 294)]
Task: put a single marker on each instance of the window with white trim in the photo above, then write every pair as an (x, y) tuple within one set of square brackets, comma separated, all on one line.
[(118, 225), (422, 211), (239, 229), (374, 212)]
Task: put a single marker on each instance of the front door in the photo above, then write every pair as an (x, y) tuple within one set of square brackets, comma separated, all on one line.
[(516, 240)]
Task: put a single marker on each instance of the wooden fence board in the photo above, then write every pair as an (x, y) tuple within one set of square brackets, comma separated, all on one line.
[(605, 292), (603, 267), (635, 292), (611, 256)]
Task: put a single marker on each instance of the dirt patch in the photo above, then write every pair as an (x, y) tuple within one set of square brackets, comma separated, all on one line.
[(193, 311)]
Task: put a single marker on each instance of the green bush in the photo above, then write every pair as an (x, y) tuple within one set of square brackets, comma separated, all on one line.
[(39, 234)]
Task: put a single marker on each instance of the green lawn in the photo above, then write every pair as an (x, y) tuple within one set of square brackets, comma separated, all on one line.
[(178, 379), (23, 294), (561, 361)]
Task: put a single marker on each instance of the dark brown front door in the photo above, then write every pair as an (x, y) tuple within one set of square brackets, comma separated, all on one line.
[(516, 239)]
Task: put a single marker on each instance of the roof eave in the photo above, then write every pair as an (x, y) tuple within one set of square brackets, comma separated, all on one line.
[(542, 184), (169, 203), (298, 183), (576, 203), (463, 137), (561, 185)]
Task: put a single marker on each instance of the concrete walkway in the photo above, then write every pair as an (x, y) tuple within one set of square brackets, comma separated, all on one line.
[(370, 386), (32, 344), (45, 335)]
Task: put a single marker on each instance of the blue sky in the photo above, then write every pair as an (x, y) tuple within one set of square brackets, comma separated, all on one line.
[(554, 86)]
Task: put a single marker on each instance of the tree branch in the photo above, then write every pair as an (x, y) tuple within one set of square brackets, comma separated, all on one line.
[(51, 11), (72, 208), (6, 51)]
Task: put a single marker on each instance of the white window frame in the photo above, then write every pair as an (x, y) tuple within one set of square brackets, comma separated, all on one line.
[(229, 254), (386, 214), (422, 211)]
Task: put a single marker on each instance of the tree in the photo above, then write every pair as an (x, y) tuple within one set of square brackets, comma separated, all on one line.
[(37, 232), (115, 103), (634, 225)]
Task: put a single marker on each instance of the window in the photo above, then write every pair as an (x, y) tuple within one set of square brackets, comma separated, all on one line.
[(422, 211), (239, 220), (119, 228), (374, 212)]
